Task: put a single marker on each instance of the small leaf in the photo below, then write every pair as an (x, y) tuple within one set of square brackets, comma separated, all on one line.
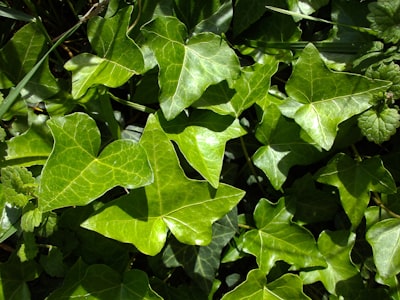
[(31, 218), (28, 249), (319, 99), (385, 19), (118, 56), (341, 277), (187, 67), (102, 282), (53, 263), (202, 138), (278, 238), (355, 180), (186, 207), (384, 239), (379, 126), (75, 175), (18, 185), (289, 286), (389, 72)]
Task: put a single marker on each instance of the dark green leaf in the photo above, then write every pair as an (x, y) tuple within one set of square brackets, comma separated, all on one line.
[(385, 19)]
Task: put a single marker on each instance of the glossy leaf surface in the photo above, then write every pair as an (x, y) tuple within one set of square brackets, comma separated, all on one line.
[(186, 207), (118, 57), (75, 174), (277, 238), (319, 99), (187, 66), (355, 180)]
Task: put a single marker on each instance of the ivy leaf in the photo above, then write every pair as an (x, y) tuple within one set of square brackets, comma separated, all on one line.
[(278, 238), (319, 99), (202, 138), (384, 240), (341, 277), (102, 282), (379, 125), (118, 56), (202, 262), (385, 19), (288, 286), (354, 181), (187, 66), (19, 56), (285, 146), (75, 175), (187, 207)]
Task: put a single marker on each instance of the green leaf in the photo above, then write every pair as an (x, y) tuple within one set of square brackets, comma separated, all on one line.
[(29, 248), (379, 125), (31, 218), (75, 175), (219, 22), (384, 239), (319, 99), (187, 66), (118, 56), (341, 277), (285, 146), (385, 19), (202, 138), (354, 181), (187, 207), (289, 286), (306, 7), (19, 56), (389, 72), (278, 238), (53, 263), (202, 262), (18, 185), (30, 148), (102, 282)]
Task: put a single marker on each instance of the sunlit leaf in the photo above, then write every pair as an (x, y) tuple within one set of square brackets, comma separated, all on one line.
[(385, 19), (75, 174), (355, 180), (255, 287), (186, 207), (278, 238), (187, 65), (319, 99)]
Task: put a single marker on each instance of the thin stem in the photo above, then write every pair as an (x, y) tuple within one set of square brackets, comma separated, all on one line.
[(245, 226), (139, 4), (379, 202), (356, 153), (251, 166), (133, 105)]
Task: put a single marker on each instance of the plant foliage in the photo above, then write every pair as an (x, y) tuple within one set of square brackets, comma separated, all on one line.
[(216, 149)]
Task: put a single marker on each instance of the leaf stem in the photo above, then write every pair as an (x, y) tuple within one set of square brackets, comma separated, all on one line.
[(251, 166), (139, 3), (133, 105), (379, 202)]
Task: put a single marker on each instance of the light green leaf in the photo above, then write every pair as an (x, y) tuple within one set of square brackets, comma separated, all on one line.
[(306, 7), (31, 218), (391, 72), (385, 19), (202, 138), (341, 277), (102, 282), (289, 286), (9, 216), (186, 207), (19, 56), (202, 262), (28, 248), (384, 239), (354, 181), (319, 99), (75, 175), (187, 66), (118, 56), (278, 238), (379, 126), (18, 185), (285, 146)]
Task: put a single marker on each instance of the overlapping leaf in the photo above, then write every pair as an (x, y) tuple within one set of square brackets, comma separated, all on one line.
[(186, 207), (255, 287), (385, 19), (202, 138), (277, 238), (118, 56), (355, 180), (319, 99), (285, 146), (187, 66), (75, 175), (341, 277), (384, 238)]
